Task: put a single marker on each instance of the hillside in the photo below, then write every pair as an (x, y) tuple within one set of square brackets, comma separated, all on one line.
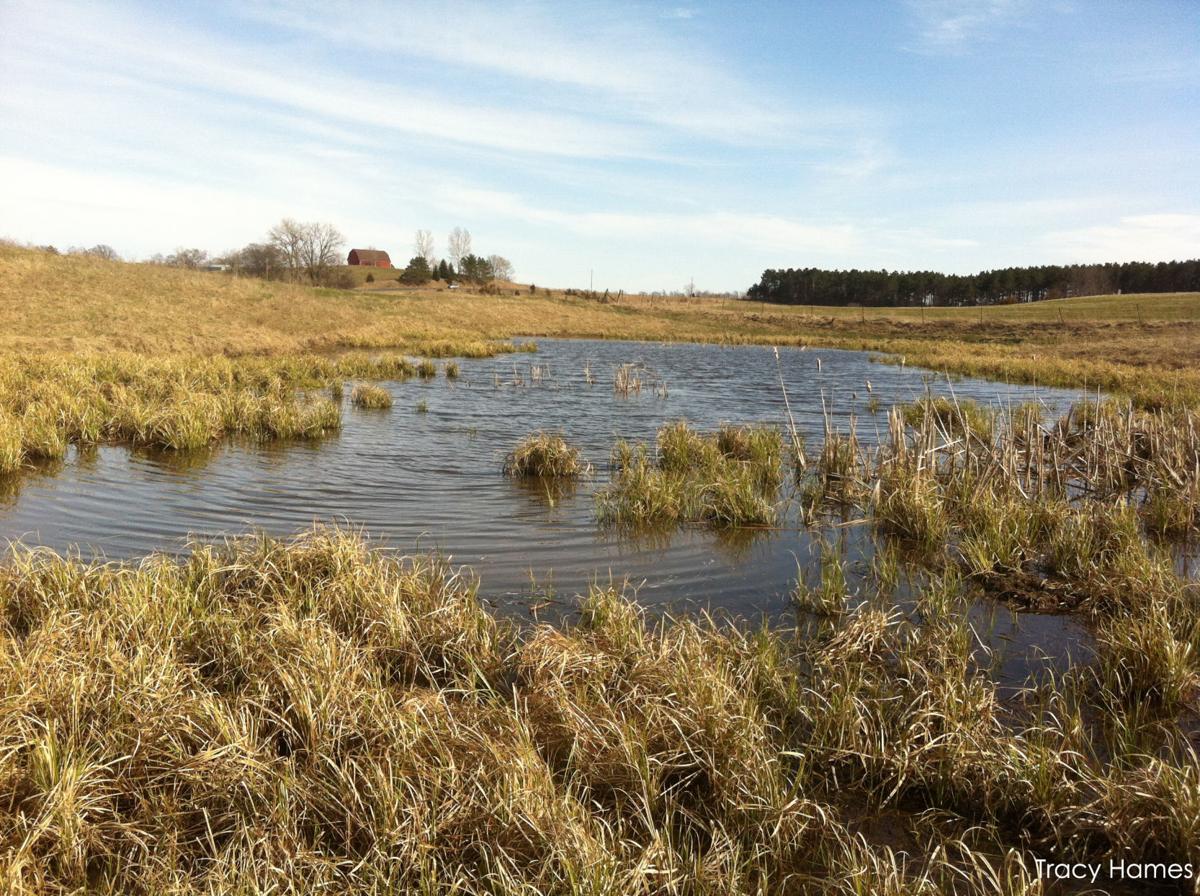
[(1145, 345)]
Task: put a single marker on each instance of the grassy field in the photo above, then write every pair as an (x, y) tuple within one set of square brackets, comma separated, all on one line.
[(1146, 346)]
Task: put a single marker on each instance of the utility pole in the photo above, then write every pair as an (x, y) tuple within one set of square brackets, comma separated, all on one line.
[(591, 279)]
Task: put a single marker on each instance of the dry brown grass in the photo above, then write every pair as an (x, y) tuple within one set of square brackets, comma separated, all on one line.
[(270, 717), (1144, 346)]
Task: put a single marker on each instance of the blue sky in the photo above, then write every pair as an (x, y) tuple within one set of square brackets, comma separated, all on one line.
[(651, 143)]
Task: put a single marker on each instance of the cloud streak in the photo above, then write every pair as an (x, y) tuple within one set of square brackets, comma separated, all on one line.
[(952, 27)]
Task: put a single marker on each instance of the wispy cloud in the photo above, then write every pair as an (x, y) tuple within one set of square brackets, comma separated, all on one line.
[(625, 64), (104, 44), (954, 26), (747, 229), (1131, 238)]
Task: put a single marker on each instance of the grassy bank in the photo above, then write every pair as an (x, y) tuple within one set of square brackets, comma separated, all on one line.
[(306, 716), (51, 401), (1144, 346)]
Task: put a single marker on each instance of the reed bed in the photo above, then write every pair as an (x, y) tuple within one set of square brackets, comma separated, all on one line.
[(728, 478), (313, 716), (365, 395), (1052, 516), (50, 402), (546, 456), (467, 348)]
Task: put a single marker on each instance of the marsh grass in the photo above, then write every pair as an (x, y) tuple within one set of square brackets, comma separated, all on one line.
[(426, 369), (729, 478), (956, 417), (1051, 517), (264, 716), (365, 395), (546, 456), (829, 596), (627, 380), (49, 402), (451, 370)]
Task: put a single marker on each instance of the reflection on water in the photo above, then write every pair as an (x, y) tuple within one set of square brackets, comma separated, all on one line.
[(431, 481)]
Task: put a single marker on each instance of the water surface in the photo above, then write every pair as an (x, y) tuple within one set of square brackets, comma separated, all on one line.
[(432, 481)]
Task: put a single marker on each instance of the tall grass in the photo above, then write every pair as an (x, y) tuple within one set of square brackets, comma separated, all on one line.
[(730, 478), (49, 402), (1050, 516), (307, 716)]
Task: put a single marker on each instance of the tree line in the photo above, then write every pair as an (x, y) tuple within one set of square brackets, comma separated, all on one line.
[(816, 286), (313, 252), (463, 264)]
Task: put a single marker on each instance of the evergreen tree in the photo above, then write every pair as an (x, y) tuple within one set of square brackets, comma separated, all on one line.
[(477, 270), (814, 286), (417, 272)]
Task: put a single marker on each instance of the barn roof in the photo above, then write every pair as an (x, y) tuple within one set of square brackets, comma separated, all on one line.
[(370, 255)]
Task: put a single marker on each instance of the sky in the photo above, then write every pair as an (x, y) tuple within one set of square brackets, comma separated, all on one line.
[(639, 146)]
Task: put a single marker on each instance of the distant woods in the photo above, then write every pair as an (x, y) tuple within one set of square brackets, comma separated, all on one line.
[(814, 286)]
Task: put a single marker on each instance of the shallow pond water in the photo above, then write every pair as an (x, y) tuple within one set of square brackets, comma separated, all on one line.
[(422, 481)]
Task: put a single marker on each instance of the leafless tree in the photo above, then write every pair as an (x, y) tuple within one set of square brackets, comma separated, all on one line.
[(187, 258), (458, 245), (323, 251), (100, 250), (288, 238), (423, 246), (501, 267), (257, 260), (307, 249)]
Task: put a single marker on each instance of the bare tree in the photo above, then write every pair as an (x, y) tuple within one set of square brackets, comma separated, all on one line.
[(257, 260), (288, 239), (100, 250), (307, 249), (458, 245), (187, 258), (502, 268), (423, 246), (105, 251), (322, 251)]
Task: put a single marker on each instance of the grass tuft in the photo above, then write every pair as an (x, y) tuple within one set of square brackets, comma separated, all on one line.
[(545, 455), (367, 396), (726, 479)]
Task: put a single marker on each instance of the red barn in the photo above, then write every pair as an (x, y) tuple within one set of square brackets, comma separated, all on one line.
[(371, 258)]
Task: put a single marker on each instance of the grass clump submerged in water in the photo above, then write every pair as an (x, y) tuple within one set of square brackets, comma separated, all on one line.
[(729, 478), (367, 396), (267, 716), (956, 417), (545, 455)]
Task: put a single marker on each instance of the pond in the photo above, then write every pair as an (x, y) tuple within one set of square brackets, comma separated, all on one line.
[(426, 475)]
